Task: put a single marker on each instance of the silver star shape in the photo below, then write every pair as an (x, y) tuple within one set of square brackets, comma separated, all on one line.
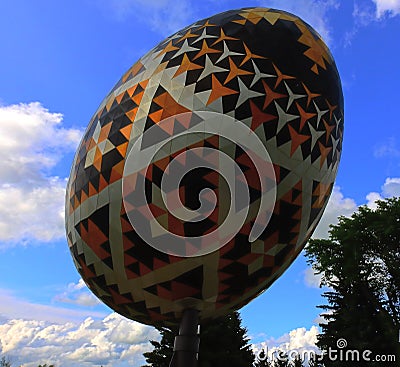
[(319, 113), (259, 75), (245, 93), (284, 117), (292, 96), (315, 135), (210, 68)]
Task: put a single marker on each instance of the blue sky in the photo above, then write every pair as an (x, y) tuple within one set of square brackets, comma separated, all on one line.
[(58, 61)]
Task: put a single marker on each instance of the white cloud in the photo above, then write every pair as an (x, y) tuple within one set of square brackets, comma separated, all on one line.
[(78, 286), (14, 307), (77, 294), (390, 188), (311, 278), (387, 7), (31, 139), (31, 212), (32, 334), (313, 12), (111, 341), (32, 142), (372, 197), (321, 319), (365, 13), (298, 341), (163, 16), (337, 205)]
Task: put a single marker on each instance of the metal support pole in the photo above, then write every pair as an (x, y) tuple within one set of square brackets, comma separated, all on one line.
[(186, 346)]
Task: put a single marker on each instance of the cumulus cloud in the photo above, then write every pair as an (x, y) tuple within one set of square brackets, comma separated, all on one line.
[(31, 212), (337, 205), (30, 139), (32, 142), (387, 7), (77, 294), (372, 198), (313, 12), (111, 341), (390, 188), (298, 341)]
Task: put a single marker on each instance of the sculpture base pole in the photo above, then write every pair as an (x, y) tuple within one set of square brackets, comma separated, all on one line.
[(186, 346)]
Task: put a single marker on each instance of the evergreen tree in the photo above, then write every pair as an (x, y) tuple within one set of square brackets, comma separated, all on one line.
[(282, 360), (223, 342), (262, 360), (163, 350), (297, 362), (315, 361), (359, 262)]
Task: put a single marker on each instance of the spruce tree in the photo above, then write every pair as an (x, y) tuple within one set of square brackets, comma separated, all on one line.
[(163, 350), (282, 360), (297, 362), (262, 360), (223, 342), (315, 361)]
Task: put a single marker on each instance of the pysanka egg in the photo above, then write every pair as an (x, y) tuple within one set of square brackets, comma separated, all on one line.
[(205, 170)]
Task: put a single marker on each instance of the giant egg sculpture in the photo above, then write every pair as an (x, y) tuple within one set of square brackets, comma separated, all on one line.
[(207, 167)]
